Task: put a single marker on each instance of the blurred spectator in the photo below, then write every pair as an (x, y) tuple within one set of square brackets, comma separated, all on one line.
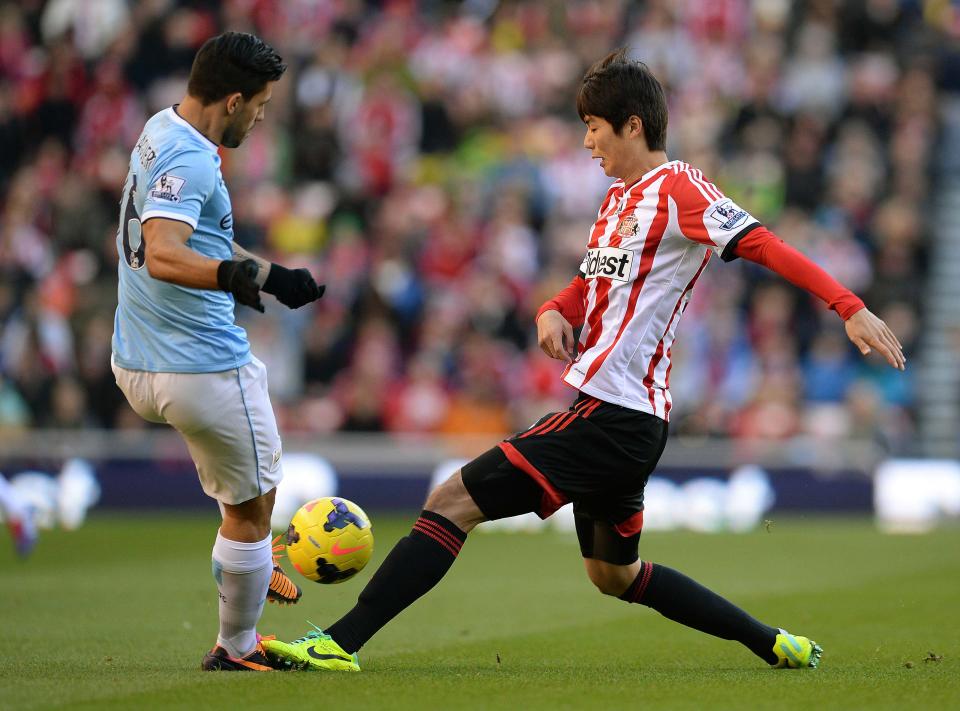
[(425, 158)]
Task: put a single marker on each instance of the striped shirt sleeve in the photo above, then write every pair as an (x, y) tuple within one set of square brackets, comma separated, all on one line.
[(707, 216)]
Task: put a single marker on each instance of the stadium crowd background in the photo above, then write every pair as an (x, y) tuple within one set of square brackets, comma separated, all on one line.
[(425, 161)]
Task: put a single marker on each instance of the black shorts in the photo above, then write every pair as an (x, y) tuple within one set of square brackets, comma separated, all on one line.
[(596, 455)]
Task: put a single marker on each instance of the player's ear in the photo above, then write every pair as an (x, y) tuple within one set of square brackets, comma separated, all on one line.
[(233, 103), (634, 126)]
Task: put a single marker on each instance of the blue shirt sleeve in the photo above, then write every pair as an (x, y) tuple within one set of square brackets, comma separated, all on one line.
[(179, 185)]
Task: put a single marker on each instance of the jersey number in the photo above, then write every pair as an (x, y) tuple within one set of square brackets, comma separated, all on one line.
[(134, 250)]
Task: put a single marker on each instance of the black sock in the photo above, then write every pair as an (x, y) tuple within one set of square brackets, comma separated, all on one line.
[(415, 565), (677, 597)]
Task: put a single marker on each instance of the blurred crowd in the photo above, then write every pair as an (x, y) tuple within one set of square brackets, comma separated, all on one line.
[(424, 159)]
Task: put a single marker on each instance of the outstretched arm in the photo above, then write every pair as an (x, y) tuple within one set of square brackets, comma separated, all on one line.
[(863, 328)]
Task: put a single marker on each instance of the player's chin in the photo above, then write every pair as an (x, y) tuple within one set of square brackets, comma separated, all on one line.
[(231, 140)]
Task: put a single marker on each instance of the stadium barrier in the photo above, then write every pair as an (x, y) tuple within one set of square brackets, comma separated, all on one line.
[(701, 485), (151, 468)]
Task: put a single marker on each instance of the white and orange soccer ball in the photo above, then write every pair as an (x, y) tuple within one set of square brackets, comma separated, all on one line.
[(329, 540)]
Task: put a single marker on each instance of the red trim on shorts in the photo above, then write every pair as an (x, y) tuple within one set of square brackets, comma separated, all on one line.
[(552, 498), (587, 411), (548, 423), (631, 526), (562, 424)]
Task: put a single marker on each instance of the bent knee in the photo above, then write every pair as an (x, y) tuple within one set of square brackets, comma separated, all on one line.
[(445, 495), (252, 515), (608, 578), (610, 586), (452, 501)]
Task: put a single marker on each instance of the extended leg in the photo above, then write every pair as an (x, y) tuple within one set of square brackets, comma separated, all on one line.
[(414, 566), (613, 566), (683, 600), (418, 561)]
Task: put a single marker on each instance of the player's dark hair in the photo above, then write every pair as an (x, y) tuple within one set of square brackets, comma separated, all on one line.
[(616, 88), (233, 62)]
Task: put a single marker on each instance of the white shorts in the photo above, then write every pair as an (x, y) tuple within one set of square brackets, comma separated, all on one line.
[(225, 418)]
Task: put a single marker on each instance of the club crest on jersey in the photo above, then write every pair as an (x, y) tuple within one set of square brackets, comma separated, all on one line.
[(728, 214), (628, 226), (610, 262), (167, 188)]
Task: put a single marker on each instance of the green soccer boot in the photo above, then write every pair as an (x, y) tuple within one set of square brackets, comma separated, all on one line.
[(795, 652), (315, 651)]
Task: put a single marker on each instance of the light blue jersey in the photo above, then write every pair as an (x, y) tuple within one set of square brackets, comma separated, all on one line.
[(159, 326)]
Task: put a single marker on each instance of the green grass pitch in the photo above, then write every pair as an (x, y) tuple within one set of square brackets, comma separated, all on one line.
[(118, 615)]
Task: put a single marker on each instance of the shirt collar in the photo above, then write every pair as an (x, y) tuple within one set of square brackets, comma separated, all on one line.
[(177, 118)]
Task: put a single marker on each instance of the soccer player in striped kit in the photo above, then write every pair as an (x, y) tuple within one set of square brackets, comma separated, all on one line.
[(659, 225)]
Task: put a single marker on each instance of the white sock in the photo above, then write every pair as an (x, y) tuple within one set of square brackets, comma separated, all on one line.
[(242, 572)]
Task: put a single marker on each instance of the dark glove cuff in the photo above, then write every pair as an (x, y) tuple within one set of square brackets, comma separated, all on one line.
[(275, 277), (224, 270)]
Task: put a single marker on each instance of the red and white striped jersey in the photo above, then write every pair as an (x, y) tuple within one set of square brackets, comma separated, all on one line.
[(649, 245)]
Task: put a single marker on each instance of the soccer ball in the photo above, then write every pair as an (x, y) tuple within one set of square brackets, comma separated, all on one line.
[(329, 540)]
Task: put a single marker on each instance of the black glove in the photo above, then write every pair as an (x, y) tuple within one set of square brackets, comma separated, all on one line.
[(238, 278), (292, 287)]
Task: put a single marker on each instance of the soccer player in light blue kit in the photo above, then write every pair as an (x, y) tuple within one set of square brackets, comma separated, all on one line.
[(178, 356)]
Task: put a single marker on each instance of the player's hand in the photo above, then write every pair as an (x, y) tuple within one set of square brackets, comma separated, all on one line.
[(239, 279), (292, 287), (555, 336), (868, 332)]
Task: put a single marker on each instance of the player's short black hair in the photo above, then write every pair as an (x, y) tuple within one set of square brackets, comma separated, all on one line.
[(233, 62), (616, 88)]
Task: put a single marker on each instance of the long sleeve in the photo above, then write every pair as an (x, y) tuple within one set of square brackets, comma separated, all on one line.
[(760, 245), (570, 302)]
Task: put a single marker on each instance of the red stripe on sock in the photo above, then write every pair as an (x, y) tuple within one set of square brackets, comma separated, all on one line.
[(421, 527), (452, 545), (430, 534), (440, 530), (646, 570)]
